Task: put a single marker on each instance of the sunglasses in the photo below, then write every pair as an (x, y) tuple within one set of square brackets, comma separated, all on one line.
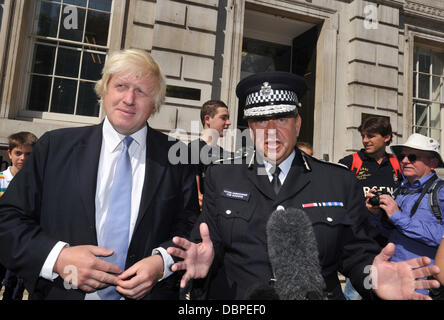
[(412, 157)]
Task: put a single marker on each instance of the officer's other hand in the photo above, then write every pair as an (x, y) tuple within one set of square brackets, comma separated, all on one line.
[(197, 257), (399, 280)]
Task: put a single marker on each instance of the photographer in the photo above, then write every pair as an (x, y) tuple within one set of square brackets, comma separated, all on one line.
[(408, 218)]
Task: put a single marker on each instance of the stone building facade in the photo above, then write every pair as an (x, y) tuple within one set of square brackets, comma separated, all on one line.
[(360, 58)]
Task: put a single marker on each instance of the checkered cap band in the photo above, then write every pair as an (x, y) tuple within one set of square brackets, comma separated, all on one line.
[(270, 110), (260, 98)]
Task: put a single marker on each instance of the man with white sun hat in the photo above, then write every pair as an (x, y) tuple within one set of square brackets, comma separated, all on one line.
[(415, 213)]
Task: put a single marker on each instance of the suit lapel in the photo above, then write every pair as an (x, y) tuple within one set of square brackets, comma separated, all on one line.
[(86, 159), (155, 166)]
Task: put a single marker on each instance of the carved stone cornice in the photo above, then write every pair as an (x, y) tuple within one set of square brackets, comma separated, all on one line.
[(420, 9)]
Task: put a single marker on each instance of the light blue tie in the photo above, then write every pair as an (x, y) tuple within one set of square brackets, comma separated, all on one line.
[(115, 231)]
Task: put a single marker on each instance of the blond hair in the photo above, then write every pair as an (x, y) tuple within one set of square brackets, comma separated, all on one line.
[(134, 62)]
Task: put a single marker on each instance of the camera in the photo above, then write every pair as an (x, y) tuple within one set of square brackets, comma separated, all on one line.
[(374, 201)]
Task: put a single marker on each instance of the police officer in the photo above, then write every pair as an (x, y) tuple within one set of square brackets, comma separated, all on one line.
[(240, 198)]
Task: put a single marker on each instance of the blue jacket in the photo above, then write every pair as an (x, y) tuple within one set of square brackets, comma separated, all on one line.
[(419, 235)]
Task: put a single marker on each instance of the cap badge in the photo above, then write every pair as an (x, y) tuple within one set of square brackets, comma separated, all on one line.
[(266, 89)]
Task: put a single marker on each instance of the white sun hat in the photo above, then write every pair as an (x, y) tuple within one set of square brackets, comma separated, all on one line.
[(420, 142)]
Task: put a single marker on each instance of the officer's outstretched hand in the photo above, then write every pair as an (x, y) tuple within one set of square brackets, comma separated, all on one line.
[(197, 257), (398, 280)]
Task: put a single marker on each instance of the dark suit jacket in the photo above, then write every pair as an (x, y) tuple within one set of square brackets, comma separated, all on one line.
[(53, 199), (238, 224)]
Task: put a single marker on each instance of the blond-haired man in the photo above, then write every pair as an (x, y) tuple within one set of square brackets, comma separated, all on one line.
[(101, 201)]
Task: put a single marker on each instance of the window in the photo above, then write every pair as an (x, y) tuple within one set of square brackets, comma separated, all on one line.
[(428, 93), (70, 43)]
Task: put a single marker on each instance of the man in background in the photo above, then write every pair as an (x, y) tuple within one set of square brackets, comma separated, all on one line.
[(215, 120), (374, 168)]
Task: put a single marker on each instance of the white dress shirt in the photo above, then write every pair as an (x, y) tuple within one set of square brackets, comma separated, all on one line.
[(111, 147), (285, 167)]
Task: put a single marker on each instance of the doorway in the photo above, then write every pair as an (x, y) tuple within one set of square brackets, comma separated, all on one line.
[(273, 42)]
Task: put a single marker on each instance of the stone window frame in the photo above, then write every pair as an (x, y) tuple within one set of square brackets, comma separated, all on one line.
[(430, 122), (425, 38)]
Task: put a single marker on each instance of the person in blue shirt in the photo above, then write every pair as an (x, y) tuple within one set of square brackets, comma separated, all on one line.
[(414, 232)]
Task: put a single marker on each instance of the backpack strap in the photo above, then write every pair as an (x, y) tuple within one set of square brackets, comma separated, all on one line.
[(357, 163), (395, 164), (434, 199), (424, 191)]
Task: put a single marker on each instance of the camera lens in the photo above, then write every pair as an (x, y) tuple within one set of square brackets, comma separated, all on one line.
[(374, 201)]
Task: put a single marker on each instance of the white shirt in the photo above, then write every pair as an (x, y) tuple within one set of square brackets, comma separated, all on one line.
[(7, 177), (109, 153), (285, 167)]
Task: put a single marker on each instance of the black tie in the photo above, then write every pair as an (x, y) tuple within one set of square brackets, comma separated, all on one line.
[(276, 182)]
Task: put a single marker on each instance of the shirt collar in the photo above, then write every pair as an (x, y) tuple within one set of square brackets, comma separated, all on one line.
[(112, 138), (284, 165), (8, 175), (417, 183), (366, 157)]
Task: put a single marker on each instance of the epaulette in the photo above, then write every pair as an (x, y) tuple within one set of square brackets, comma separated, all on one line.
[(237, 156), (305, 156)]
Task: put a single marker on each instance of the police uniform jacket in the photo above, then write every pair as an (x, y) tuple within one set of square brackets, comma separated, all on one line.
[(238, 203)]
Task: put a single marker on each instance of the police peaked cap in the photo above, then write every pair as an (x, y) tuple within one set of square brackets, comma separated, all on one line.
[(270, 94)]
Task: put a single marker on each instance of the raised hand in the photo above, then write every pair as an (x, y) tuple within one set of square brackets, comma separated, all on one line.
[(197, 257), (398, 280)]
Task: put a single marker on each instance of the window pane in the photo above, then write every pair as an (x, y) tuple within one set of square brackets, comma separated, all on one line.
[(435, 115), (415, 91), (63, 96), (73, 20), (424, 86), (81, 3), (421, 115), (47, 19), (92, 65), (39, 94), (438, 63), (68, 62), (260, 56), (43, 59), (422, 131), (100, 4), (415, 61), (437, 89), (97, 28), (424, 63), (88, 104)]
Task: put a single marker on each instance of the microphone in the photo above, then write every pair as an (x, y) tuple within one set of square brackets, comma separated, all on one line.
[(294, 257), (261, 292)]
